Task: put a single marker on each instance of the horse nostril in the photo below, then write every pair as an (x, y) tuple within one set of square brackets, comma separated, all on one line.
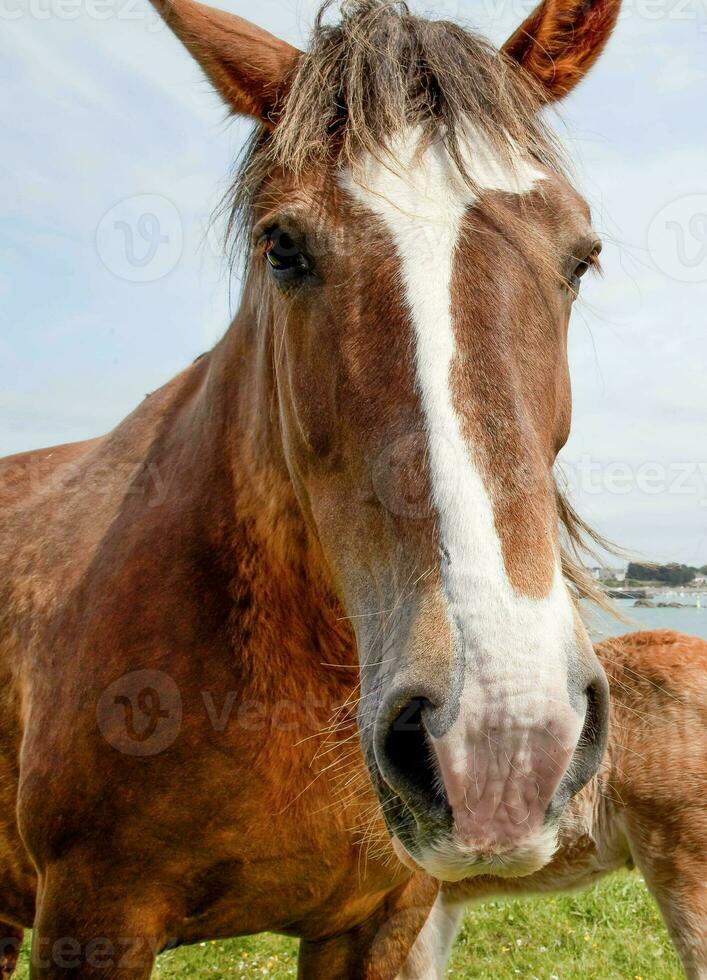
[(407, 759), (592, 741), (595, 720)]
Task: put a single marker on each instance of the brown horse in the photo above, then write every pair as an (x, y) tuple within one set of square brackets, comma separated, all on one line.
[(646, 806), (170, 659)]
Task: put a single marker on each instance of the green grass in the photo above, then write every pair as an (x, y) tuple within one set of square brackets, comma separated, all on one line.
[(611, 931)]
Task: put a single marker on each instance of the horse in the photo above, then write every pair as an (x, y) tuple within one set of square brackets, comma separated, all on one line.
[(646, 807), (345, 512)]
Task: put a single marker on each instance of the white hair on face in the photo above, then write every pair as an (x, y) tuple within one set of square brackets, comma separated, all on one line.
[(448, 860), (516, 647)]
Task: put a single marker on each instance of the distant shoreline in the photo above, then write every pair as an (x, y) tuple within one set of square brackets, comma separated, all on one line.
[(652, 590)]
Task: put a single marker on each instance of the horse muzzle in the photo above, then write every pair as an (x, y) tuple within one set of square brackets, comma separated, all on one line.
[(482, 792)]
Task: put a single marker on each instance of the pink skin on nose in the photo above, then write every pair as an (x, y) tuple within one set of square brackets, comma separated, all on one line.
[(500, 780)]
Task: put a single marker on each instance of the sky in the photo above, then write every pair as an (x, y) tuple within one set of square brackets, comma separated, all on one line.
[(114, 153)]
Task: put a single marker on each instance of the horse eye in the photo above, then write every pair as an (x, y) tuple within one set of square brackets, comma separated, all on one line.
[(574, 280), (582, 267), (285, 258)]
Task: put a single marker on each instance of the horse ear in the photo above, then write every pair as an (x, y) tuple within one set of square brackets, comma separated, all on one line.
[(561, 40), (248, 66)]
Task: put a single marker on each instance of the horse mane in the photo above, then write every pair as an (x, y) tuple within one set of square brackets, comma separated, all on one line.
[(378, 71), (374, 73), (579, 540)]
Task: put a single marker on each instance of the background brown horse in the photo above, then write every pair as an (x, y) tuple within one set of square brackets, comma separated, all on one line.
[(170, 661), (647, 805)]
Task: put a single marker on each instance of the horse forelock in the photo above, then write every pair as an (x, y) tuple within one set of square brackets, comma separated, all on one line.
[(373, 75)]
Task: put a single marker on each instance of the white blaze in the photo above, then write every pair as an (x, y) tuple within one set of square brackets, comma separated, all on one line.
[(516, 647)]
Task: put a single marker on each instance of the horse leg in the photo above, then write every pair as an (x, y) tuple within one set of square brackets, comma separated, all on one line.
[(10, 946), (673, 861), (429, 956), (377, 948), (92, 924)]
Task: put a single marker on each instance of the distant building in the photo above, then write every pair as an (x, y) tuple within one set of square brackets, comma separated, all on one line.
[(700, 580), (603, 574)]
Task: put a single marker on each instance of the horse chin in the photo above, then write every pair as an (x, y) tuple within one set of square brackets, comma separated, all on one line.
[(448, 859)]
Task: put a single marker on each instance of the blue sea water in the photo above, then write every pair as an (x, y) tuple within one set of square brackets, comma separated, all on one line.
[(691, 619)]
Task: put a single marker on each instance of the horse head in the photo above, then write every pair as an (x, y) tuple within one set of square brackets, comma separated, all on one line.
[(415, 248)]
